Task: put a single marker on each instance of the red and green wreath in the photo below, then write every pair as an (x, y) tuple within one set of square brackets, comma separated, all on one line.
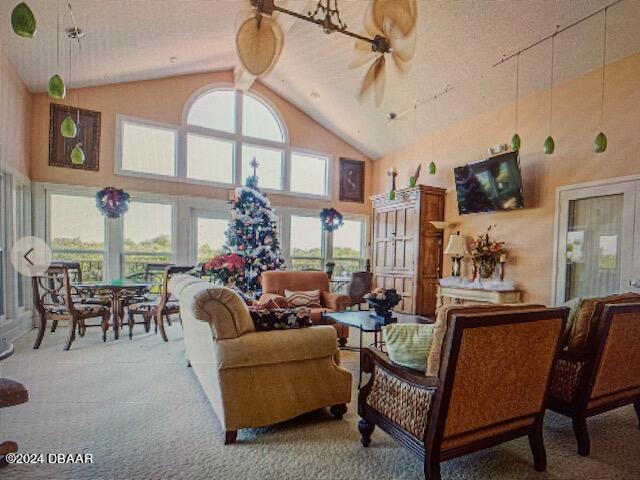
[(112, 202)]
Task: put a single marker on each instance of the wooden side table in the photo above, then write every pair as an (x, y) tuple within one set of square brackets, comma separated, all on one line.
[(11, 393), (457, 295)]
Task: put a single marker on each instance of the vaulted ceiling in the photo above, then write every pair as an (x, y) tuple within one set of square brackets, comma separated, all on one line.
[(458, 42)]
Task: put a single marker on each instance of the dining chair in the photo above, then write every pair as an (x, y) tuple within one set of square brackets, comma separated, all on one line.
[(359, 286), (53, 300), (162, 306), (152, 272)]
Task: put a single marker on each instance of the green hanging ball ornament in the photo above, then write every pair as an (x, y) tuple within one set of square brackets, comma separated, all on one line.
[(68, 127), (77, 155), (515, 142), (549, 145), (432, 168), (23, 21), (600, 143), (392, 194), (56, 87)]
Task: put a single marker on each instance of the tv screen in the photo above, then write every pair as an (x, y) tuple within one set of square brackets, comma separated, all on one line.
[(490, 185)]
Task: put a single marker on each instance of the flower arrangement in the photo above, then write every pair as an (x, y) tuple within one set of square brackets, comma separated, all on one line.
[(486, 253), (331, 219), (383, 301), (112, 202), (225, 268)]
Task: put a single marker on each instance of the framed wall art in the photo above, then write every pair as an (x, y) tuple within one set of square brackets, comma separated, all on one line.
[(88, 135), (351, 180)]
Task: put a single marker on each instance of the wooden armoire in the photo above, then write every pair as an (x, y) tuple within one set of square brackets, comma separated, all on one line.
[(406, 248)]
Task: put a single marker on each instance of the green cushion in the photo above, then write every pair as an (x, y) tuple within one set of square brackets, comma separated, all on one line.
[(574, 306), (408, 344)]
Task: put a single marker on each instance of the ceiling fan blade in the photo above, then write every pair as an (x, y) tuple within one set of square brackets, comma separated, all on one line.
[(370, 26), (362, 58), (401, 14), (404, 48), (401, 65), (279, 35), (257, 44), (380, 78)]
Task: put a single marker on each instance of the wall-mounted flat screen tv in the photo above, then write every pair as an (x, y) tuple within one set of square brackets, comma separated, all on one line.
[(490, 185)]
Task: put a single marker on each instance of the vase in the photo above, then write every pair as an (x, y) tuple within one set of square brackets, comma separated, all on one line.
[(486, 268)]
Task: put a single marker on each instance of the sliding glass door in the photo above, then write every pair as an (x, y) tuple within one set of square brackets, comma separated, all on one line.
[(208, 234), (598, 240)]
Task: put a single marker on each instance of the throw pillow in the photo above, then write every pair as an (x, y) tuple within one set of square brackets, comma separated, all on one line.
[(573, 305), (310, 298), (270, 304), (245, 298), (408, 344), (280, 318)]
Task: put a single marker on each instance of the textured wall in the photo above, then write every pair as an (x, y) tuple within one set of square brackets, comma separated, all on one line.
[(163, 100), (529, 233), (15, 111)]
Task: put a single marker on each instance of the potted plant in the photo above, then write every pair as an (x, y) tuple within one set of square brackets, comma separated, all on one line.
[(486, 253)]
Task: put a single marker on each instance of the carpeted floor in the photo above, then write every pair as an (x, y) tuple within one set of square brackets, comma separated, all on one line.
[(139, 410)]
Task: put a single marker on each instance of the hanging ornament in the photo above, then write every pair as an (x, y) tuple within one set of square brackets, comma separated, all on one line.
[(23, 21), (432, 168), (515, 140), (56, 87), (112, 202), (331, 219), (68, 127), (600, 143), (549, 143), (77, 155)]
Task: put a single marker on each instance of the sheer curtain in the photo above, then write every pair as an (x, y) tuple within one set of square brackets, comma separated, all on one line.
[(593, 246)]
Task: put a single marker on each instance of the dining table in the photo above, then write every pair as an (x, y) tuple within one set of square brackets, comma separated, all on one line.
[(117, 291)]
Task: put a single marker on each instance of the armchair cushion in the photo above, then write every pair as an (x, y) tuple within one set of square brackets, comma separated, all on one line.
[(310, 298), (280, 318), (335, 301), (279, 300), (408, 344), (276, 346)]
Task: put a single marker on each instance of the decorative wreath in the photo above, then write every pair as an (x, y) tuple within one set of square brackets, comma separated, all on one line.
[(112, 201), (331, 219)]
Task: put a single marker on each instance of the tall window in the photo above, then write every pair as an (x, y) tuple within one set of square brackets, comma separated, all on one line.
[(148, 236), (211, 237), (223, 131), (306, 243), (3, 285), (76, 233), (347, 247)]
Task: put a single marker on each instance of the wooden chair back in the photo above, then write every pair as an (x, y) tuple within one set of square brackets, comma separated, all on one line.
[(359, 286), (494, 374), (74, 269), (52, 288), (616, 355), (169, 271)]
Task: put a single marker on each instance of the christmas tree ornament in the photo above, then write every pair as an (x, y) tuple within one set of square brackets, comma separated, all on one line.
[(77, 155), (56, 87), (68, 127), (23, 21)]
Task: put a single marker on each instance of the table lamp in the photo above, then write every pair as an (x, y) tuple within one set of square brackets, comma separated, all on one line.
[(457, 248)]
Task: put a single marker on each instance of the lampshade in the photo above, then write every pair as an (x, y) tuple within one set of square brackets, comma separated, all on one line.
[(457, 246)]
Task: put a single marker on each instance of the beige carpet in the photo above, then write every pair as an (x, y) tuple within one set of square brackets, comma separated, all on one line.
[(139, 410)]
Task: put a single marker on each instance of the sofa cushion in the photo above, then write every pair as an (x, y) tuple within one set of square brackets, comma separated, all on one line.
[(309, 298), (280, 318), (408, 344), (277, 346), (589, 314), (444, 316)]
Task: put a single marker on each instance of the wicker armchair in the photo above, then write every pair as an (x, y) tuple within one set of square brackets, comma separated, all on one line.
[(604, 374), (490, 387)]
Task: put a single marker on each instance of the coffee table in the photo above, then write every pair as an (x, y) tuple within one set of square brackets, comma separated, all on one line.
[(367, 324)]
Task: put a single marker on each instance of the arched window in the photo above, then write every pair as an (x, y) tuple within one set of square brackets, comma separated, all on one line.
[(226, 130), (222, 131)]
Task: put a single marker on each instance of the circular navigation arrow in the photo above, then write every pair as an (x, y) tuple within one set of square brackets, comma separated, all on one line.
[(31, 256)]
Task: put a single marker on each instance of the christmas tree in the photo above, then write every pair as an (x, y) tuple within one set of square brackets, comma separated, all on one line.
[(252, 235)]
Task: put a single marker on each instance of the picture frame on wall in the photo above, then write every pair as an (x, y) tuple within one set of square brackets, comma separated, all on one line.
[(351, 180), (88, 135)]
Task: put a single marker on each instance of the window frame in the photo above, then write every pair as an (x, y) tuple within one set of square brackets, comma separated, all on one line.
[(238, 176), (3, 247)]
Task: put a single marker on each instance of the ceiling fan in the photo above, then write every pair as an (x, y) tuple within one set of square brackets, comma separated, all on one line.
[(389, 24)]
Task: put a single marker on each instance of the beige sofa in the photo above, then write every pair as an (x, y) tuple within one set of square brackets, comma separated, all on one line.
[(253, 379)]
